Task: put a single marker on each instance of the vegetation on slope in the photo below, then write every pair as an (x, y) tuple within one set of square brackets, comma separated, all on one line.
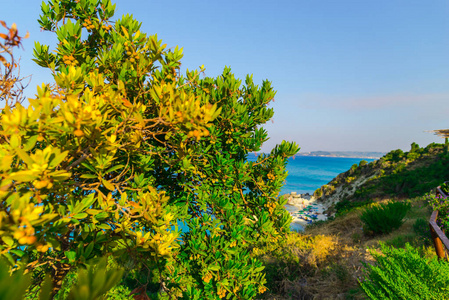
[(327, 260), (330, 259), (398, 174)]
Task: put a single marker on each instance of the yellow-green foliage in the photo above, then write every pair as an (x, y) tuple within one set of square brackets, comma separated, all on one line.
[(123, 148), (349, 179), (92, 283), (328, 189), (296, 257), (318, 193)]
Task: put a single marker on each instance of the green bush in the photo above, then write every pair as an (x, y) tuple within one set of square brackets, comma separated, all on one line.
[(92, 283), (346, 206), (445, 188), (441, 204), (404, 274), (123, 149), (384, 218), (421, 228)]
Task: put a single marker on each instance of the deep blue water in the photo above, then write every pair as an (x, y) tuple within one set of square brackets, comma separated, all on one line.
[(307, 173)]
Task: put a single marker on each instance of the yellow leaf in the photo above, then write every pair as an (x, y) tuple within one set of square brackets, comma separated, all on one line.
[(108, 185), (125, 32)]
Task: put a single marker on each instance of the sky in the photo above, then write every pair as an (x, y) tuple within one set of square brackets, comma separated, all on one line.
[(350, 75)]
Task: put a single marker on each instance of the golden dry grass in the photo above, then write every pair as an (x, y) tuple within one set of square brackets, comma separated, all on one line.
[(325, 262)]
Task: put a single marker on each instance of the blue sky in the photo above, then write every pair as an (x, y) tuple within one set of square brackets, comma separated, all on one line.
[(350, 75)]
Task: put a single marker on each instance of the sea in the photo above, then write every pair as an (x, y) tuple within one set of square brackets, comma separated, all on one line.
[(308, 173)]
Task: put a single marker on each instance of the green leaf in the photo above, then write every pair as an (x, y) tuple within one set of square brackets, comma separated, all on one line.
[(30, 143), (8, 240), (80, 215), (71, 255), (46, 289), (17, 252), (58, 159), (88, 250), (89, 176), (14, 141), (112, 169), (25, 157), (23, 176), (102, 215), (104, 226), (214, 268)]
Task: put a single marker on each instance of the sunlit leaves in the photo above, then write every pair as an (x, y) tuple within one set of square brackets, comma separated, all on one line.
[(123, 149)]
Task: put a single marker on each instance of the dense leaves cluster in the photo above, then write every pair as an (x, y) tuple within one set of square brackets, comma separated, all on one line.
[(404, 274), (440, 203), (384, 218), (122, 149)]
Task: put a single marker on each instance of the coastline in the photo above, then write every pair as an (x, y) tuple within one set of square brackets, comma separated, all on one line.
[(304, 210), (335, 156)]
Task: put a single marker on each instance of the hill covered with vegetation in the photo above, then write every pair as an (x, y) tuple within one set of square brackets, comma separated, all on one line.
[(379, 232), (398, 174)]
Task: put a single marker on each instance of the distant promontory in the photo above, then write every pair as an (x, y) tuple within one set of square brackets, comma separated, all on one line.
[(352, 154)]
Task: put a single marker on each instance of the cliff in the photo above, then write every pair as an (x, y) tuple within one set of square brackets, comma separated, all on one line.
[(397, 174)]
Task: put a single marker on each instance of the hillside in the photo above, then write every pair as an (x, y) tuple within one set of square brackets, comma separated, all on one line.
[(398, 174), (330, 258)]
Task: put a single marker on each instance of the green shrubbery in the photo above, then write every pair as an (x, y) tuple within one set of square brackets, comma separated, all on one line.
[(404, 274), (91, 283), (384, 218), (421, 229), (346, 206), (122, 148), (408, 174), (440, 203)]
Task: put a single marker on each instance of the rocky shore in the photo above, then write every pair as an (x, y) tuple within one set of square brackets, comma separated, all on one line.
[(304, 209)]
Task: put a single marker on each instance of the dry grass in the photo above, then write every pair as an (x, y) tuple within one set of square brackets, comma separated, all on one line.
[(326, 261)]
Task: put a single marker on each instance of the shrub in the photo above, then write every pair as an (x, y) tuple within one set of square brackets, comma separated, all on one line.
[(363, 163), (440, 203), (384, 218), (91, 284), (421, 228), (123, 148), (346, 206), (404, 274), (445, 188), (318, 193), (298, 256)]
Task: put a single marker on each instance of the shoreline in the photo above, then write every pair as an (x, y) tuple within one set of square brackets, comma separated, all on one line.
[(304, 209)]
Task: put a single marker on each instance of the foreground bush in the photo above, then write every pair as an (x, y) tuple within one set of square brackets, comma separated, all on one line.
[(440, 203), (404, 274), (384, 218), (122, 149), (92, 283), (297, 257)]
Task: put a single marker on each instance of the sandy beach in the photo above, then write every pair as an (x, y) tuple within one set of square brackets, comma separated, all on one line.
[(304, 209)]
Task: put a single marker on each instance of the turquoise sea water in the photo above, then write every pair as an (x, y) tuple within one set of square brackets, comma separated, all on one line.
[(307, 173)]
